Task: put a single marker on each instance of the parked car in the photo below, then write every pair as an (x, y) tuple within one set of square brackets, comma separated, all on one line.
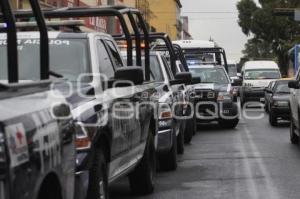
[(214, 100), (294, 85), (268, 94), (111, 103), (279, 107), (256, 77), (170, 135), (37, 145)]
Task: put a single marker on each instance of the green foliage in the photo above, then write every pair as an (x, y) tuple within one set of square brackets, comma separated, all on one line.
[(273, 36)]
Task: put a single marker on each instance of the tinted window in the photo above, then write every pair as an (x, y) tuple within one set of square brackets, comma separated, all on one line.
[(262, 74), (68, 57), (105, 64), (210, 75), (117, 60), (282, 87)]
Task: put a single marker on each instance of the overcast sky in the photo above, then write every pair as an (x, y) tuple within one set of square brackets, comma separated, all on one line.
[(216, 19)]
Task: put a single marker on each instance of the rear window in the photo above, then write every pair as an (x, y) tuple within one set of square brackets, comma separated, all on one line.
[(258, 74), (68, 57)]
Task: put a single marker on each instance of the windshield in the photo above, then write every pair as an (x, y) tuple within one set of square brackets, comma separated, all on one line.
[(232, 70), (68, 57), (199, 59), (210, 75), (282, 88), (262, 74)]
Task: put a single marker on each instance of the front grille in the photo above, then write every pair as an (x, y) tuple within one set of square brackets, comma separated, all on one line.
[(206, 95)]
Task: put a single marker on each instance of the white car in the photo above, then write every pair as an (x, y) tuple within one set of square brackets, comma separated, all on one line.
[(256, 77)]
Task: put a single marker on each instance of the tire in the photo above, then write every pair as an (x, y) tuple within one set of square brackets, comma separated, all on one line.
[(98, 177), (141, 179), (294, 138), (190, 130), (272, 119), (229, 124), (168, 162), (180, 140), (266, 108)]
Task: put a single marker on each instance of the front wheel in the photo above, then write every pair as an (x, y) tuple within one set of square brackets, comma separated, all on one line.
[(98, 177), (180, 140), (272, 118), (168, 162), (294, 138), (141, 179), (190, 130)]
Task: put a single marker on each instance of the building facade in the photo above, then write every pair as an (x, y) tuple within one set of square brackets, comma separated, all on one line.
[(185, 28), (166, 17)]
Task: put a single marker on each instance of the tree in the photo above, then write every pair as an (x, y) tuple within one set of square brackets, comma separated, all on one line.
[(273, 36)]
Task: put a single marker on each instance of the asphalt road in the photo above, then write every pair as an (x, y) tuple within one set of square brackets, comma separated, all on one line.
[(253, 161)]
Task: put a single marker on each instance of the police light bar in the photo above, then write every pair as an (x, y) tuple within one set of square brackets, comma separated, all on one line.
[(32, 24)]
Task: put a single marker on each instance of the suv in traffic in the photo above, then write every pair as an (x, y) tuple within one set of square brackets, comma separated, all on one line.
[(214, 99)]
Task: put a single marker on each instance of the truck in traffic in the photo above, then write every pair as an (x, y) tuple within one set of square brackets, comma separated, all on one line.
[(37, 145)]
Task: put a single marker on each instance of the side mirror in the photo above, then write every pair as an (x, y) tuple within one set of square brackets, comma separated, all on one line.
[(133, 74), (294, 84), (185, 77), (196, 80), (237, 82)]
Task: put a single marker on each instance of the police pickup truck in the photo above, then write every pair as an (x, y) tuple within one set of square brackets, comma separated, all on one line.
[(171, 123), (37, 148), (214, 99)]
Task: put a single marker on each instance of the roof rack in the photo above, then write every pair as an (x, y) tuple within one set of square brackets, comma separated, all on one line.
[(216, 50), (33, 24), (11, 31), (167, 42), (105, 11), (178, 53)]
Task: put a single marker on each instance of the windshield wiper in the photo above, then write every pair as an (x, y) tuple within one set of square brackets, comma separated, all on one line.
[(54, 74)]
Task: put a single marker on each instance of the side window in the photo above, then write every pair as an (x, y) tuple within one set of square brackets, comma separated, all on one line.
[(105, 64), (115, 56), (167, 67)]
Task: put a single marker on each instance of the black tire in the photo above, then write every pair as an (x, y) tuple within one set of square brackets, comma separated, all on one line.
[(98, 175), (141, 179), (242, 103), (180, 140), (266, 108), (272, 119), (168, 162), (294, 138), (190, 130), (229, 124)]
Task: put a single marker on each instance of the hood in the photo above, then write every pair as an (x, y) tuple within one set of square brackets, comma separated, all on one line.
[(281, 97), (213, 86), (259, 83)]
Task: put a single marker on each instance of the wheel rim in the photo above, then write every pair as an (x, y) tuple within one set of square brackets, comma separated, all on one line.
[(101, 190)]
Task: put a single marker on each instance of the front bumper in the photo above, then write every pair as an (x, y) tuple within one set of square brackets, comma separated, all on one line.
[(253, 94), (281, 112), (215, 111)]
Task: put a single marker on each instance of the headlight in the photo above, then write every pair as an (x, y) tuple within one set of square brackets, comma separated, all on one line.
[(224, 96), (281, 103), (164, 111)]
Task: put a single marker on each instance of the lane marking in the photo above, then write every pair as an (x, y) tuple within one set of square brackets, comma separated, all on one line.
[(272, 191)]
